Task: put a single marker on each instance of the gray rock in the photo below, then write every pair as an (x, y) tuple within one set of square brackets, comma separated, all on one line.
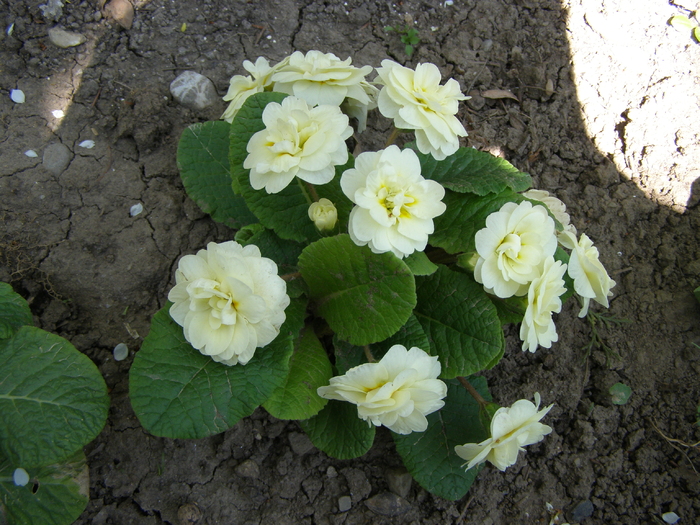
[(582, 511), (56, 158), (65, 39), (388, 504), (248, 469), (399, 480), (344, 503), (300, 443), (193, 90)]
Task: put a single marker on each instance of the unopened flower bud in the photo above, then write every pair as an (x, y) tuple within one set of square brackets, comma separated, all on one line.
[(324, 214)]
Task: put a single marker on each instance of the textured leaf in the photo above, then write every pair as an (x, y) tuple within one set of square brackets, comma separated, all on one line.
[(14, 311), (473, 171), (339, 432), (177, 392), (682, 22), (62, 492), (460, 321), (309, 368), (419, 264), (430, 456), (466, 214), (53, 399), (286, 212), (365, 297), (202, 158)]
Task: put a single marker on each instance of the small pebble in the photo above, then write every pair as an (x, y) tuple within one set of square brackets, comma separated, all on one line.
[(58, 113), (20, 477), (136, 209), (56, 158), (121, 352), (193, 90), (583, 510), (17, 96), (248, 469), (671, 517), (65, 39), (331, 472), (344, 503), (388, 504), (87, 144), (31, 153)]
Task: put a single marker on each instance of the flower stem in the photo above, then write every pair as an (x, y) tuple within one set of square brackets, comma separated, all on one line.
[(476, 395), (308, 194), (394, 133), (368, 355)]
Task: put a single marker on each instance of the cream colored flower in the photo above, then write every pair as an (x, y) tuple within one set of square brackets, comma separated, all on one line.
[(512, 429), (322, 78), (591, 280), (512, 247), (241, 87), (417, 101), (395, 205), (298, 141), (229, 301), (543, 299), (557, 207), (324, 214), (357, 110), (397, 392)]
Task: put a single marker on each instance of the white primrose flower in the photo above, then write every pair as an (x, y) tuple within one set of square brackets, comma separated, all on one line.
[(417, 101), (229, 301), (556, 206), (324, 214), (298, 141), (353, 108), (512, 247), (397, 392), (241, 87), (591, 280), (322, 78), (543, 299), (395, 205), (512, 428)]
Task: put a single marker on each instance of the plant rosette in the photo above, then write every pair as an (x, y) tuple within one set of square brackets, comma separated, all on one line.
[(359, 291)]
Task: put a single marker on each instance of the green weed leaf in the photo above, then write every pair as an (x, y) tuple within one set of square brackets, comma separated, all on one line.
[(339, 432), (14, 311)]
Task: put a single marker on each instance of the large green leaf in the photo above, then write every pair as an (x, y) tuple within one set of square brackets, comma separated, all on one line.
[(430, 456), (55, 495), (53, 399), (202, 157), (14, 311), (177, 392), (465, 215), (460, 321), (339, 432), (473, 171), (285, 212), (309, 368), (365, 297)]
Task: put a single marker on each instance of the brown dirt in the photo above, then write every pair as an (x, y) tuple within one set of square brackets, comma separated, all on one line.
[(616, 138)]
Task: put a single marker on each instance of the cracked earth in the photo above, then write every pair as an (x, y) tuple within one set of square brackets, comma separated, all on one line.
[(603, 113)]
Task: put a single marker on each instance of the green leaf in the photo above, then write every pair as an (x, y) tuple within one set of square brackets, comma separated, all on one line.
[(202, 158), (286, 212), (696, 292), (365, 297), (620, 393), (55, 495), (339, 432), (682, 22), (466, 214), (511, 310), (177, 392), (419, 264), (14, 311), (696, 33), (473, 171), (460, 321), (53, 399), (430, 456), (309, 368)]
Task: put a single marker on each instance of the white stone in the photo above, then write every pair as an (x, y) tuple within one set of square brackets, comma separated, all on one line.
[(671, 518), (17, 96), (20, 477), (87, 144), (136, 209), (65, 39), (121, 352), (193, 90), (31, 153)]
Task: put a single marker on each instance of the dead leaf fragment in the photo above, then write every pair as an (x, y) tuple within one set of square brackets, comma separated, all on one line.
[(121, 11), (499, 93)]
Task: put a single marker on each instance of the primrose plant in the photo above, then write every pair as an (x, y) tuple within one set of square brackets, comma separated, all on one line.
[(359, 291)]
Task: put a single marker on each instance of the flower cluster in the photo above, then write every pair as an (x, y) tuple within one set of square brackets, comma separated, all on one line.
[(516, 258)]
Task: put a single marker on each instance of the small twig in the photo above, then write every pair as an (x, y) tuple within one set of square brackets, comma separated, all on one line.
[(394, 133), (671, 442), (464, 511), (94, 101), (472, 391), (262, 28), (368, 354), (290, 276)]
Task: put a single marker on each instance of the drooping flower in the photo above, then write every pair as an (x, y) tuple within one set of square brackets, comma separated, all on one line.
[(229, 301), (298, 141), (322, 78), (395, 205), (241, 87), (512, 247), (417, 101), (512, 428), (324, 214), (397, 392), (591, 280), (556, 206), (543, 299)]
